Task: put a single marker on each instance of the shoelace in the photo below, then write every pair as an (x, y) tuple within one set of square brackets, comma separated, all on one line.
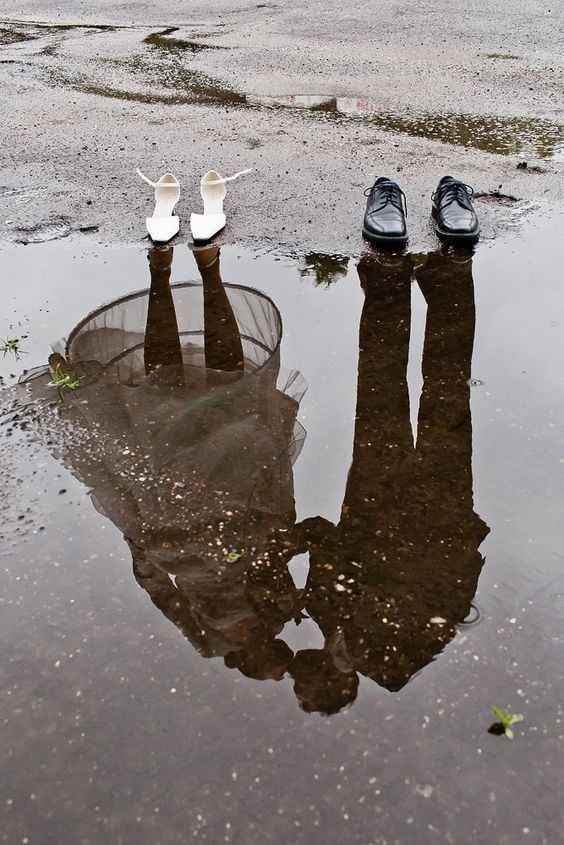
[(454, 192), (154, 184), (220, 181), (225, 179), (390, 193)]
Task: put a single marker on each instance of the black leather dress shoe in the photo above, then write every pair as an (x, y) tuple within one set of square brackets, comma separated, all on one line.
[(386, 210), (453, 212)]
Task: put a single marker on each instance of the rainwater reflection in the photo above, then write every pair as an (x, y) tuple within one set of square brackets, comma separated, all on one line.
[(186, 430)]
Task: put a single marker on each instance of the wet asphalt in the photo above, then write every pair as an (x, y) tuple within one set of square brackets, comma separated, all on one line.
[(126, 713), (118, 724), (83, 107)]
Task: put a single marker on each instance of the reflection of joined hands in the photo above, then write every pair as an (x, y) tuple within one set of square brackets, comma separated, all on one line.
[(238, 610)]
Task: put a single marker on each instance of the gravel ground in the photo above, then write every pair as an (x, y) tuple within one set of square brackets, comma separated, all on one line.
[(86, 99)]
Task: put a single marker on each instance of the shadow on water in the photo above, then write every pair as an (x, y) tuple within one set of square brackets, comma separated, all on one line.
[(183, 427)]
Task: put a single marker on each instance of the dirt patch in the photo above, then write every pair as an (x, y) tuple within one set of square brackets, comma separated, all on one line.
[(13, 36), (496, 197), (200, 94), (162, 41), (49, 230), (500, 56)]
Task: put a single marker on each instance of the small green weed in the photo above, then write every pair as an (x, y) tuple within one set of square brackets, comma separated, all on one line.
[(505, 720), (11, 346), (64, 380)]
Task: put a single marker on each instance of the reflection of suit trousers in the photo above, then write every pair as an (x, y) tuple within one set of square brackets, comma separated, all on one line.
[(407, 541)]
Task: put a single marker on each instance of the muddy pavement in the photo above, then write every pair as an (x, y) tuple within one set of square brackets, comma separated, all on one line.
[(317, 103)]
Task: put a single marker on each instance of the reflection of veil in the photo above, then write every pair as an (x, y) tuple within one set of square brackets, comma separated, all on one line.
[(191, 461)]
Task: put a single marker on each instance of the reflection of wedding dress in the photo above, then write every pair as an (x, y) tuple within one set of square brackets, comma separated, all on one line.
[(197, 475), (161, 451), (157, 457)]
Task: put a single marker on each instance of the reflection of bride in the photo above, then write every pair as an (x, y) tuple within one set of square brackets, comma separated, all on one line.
[(187, 443)]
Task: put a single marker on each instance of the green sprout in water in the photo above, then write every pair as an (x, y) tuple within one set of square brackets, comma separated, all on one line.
[(233, 555), (11, 345), (64, 380), (505, 721)]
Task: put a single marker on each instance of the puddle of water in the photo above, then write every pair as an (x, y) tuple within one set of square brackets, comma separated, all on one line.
[(500, 56), (494, 134), (61, 27), (193, 579), (13, 36), (501, 135), (201, 92), (49, 230), (162, 41)]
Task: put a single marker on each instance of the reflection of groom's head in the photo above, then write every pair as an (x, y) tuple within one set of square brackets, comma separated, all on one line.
[(319, 685)]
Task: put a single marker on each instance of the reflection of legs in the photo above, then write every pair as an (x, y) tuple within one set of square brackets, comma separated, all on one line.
[(442, 483), (375, 496), (223, 348), (382, 437), (163, 352), (444, 441)]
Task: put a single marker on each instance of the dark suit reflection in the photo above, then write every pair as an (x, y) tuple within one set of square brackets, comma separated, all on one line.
[(388, 584)]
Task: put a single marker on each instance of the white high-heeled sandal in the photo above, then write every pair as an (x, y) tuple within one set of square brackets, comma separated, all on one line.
[(163, 225), (212, 188)]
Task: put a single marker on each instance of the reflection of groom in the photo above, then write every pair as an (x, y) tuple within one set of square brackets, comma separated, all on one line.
[(390, 582)]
